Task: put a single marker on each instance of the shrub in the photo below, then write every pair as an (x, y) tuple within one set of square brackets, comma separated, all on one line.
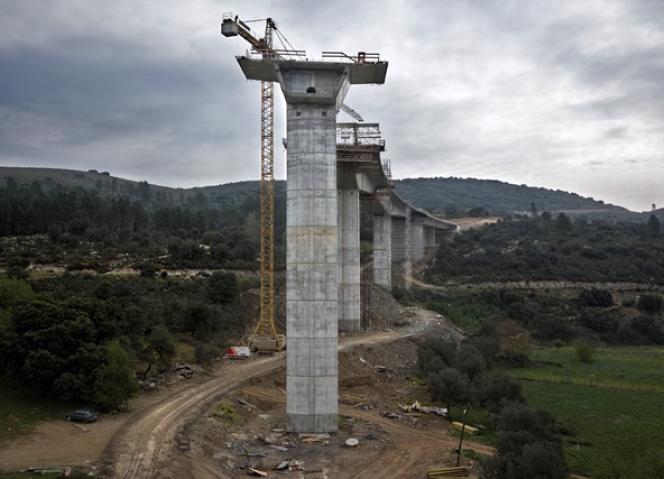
[(500, 390), (449, 386), (596, 298), (434, 354), (528, 446), (469, 361), (222, 287), (116, 380), (650, 303), (584, 351)]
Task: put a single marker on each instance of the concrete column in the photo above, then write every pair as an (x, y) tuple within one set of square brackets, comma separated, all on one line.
[(312, 283), (416, 238), (382, 249), (401, 262), (429, 240), (348, 201)]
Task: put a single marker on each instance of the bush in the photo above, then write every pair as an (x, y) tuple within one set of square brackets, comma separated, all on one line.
[(222, 288), (502, 389), (650, 303), (596, 298), (449, 386), (584, 351), (434, 354), (116, 381), (528, 446), (469, 361)]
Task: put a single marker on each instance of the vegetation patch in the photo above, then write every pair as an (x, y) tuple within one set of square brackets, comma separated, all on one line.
[(225, 410), (613, 408)]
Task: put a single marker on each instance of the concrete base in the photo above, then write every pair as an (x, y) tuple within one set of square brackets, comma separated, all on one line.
[(306, 423)]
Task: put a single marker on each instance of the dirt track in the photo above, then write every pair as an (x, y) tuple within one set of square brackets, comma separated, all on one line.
[(143, 444), (622, 286), (137, 450)]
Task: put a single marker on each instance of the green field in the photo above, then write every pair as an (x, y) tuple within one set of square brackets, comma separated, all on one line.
[(20, 409), (614, 405)]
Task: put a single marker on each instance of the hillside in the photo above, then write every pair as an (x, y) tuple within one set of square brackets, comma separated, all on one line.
[(452, 195), (230, 195)]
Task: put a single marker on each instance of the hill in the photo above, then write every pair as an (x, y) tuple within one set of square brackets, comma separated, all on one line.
[(449, 196), (457, 195), (230, 195)]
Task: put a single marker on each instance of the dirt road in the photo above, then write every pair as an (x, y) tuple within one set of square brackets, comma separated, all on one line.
[(137, 445), (550, 284), (136, 450)]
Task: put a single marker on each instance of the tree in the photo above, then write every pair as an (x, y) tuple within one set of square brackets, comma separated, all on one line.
[(222, 287), (650, 303), (528, 446), (469, 361), (563, 223), (596, 298), (159, 350), (502, 389), (654, 226), (449, 386), (434, 354), (116, 381), (13, 291)]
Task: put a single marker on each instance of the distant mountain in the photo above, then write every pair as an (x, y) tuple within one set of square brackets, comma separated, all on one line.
[(453, 196), (456, 195)]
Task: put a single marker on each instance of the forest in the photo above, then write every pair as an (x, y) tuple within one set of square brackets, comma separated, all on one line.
[(86, 347), (82, 229), (547, 248)]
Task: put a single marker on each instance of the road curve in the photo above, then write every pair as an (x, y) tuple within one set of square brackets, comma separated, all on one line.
[(135, 450)]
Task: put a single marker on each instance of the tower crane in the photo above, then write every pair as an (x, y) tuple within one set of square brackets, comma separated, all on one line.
[(265, 337)]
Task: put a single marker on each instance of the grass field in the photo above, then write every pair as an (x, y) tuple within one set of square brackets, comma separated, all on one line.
[(20, 409), (615, 405)]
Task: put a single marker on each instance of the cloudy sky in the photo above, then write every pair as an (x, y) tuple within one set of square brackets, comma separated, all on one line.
[(562, 94)]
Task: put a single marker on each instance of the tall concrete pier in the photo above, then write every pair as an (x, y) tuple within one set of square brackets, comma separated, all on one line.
[(349, 260), (382, 249), (314, 92)]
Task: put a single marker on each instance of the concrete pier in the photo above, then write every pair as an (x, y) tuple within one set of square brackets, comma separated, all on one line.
[(429, 241), (314, 92), (348, 201), (416, 238), (401, 261), (312, 242), (382, 249)]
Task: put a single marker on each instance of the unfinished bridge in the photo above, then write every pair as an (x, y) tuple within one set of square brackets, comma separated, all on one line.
[(334, 170)]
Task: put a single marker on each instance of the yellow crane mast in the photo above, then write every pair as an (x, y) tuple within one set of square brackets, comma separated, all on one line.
[(265, 337)]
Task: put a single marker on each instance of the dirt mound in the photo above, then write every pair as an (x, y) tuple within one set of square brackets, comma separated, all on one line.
[(384, 312)]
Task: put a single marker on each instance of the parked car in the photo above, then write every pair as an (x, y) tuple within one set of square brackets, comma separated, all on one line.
[(82, 415)]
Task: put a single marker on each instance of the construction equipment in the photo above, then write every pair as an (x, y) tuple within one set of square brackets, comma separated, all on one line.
[(265, 337)]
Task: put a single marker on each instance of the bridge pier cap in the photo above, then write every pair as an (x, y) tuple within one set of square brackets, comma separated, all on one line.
[(272, 70)]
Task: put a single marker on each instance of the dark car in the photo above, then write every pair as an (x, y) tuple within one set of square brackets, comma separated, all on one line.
[(82, 415)]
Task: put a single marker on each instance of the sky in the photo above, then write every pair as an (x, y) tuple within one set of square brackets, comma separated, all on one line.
[(564, 94)]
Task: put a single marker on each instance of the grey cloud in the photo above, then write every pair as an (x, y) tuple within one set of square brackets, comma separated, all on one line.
[(528, 91)]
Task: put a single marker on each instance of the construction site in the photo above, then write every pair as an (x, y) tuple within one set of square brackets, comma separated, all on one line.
[(334, 394), (345, 403)]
